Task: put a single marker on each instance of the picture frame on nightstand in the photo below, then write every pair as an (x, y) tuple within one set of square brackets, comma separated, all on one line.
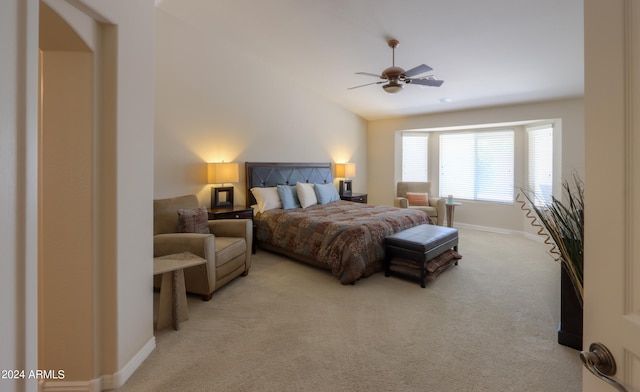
[(345, 188), (222, 197)]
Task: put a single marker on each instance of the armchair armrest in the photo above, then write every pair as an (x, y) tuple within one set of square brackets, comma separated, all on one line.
[(401, 202), (231, 228), (437, 202), (440, 204), (199, 244)]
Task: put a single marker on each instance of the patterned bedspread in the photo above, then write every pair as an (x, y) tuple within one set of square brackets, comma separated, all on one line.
[(345, 237)]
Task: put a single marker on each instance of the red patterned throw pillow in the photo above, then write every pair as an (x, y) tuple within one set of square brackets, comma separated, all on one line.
[(193, 221), (418, 199)]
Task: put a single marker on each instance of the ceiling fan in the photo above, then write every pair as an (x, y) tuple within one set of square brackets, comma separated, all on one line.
[(396, 77)]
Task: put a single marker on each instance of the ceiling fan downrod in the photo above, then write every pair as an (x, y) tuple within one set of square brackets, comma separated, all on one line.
[(393, 44)]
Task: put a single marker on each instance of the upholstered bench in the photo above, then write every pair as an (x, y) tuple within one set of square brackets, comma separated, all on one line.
[(422, 251)]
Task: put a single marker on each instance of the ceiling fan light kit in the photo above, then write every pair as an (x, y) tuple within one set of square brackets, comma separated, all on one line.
[(392, 88), (395, 77)]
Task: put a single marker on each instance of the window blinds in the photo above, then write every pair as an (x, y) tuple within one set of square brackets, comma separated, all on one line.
[(415, 158), (540, 162), (477, 165)]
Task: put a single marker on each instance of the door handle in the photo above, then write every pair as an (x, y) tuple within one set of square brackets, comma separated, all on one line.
[(600, 362)]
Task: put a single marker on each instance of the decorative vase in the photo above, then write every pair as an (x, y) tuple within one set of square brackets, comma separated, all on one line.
[(570, 328)]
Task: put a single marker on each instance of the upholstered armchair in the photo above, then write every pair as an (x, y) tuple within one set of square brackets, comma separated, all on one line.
[(434, 206), (226, 249)]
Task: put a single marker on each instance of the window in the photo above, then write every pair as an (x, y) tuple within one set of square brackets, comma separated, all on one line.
[(415, 158), (477, 165), (540, 163)]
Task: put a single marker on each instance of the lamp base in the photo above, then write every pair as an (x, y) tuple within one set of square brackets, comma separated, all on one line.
[(345, 188), (221, 196)]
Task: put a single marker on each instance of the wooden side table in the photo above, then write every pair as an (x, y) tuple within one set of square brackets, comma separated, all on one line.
[(355, 197), (172, 307), (236, 212), (451, 208)]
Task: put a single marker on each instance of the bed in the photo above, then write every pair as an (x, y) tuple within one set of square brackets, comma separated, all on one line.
[(344, 237)]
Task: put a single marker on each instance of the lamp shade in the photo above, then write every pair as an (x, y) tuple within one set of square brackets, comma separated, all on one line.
[(349, 170), (345, 170), (221, 173)]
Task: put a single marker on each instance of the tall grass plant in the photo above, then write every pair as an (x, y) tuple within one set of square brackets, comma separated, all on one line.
[(563, 221)]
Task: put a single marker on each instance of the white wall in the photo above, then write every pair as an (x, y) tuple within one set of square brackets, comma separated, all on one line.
[(18, 189), (382, 154), (123, 335), (215, 103)]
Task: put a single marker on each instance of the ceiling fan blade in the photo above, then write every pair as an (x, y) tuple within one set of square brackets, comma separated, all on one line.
[(369, 74), (426, 82), (368, 84), (422, 68)]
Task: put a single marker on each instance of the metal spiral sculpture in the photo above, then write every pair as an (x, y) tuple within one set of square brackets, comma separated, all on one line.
[(541, 230)]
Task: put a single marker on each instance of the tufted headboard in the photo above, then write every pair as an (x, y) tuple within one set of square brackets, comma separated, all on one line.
[(271, 174)]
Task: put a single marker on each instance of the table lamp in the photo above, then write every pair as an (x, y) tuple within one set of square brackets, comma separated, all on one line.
[(222, 173), (345, 171)]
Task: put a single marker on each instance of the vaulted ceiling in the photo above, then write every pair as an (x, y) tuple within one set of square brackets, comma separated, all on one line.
[(488, 52)]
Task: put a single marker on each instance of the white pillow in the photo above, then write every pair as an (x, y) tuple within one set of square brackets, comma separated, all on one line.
[(267, 198), (306, 194)]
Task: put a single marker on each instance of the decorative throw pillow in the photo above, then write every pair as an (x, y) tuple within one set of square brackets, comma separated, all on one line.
[(418, 199), (288, 196), (267, 198), (193, 221), (326, 193), (306, 194)]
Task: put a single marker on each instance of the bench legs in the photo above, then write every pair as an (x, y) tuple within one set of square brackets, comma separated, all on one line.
[(422, 264), (410, 251)]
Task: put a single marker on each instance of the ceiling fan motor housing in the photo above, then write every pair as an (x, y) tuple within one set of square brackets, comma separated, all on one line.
[(392, 73)]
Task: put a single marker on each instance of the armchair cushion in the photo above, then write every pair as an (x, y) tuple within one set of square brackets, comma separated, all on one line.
[(228, 248), (193, 220), (418, 198)]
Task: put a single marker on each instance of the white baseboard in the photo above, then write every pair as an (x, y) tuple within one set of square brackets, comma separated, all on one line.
[(486, 228), (69, 386), (118, 379), (533, 237), (107, 381)]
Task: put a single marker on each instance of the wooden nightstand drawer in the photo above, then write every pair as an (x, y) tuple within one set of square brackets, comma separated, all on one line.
[(355, 197), (235, 214)]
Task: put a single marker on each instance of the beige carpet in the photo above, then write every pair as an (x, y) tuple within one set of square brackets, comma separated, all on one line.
[(488, 324)]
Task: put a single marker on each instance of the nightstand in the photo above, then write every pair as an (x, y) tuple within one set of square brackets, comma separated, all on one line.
[(235, 212), (355, 197)]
